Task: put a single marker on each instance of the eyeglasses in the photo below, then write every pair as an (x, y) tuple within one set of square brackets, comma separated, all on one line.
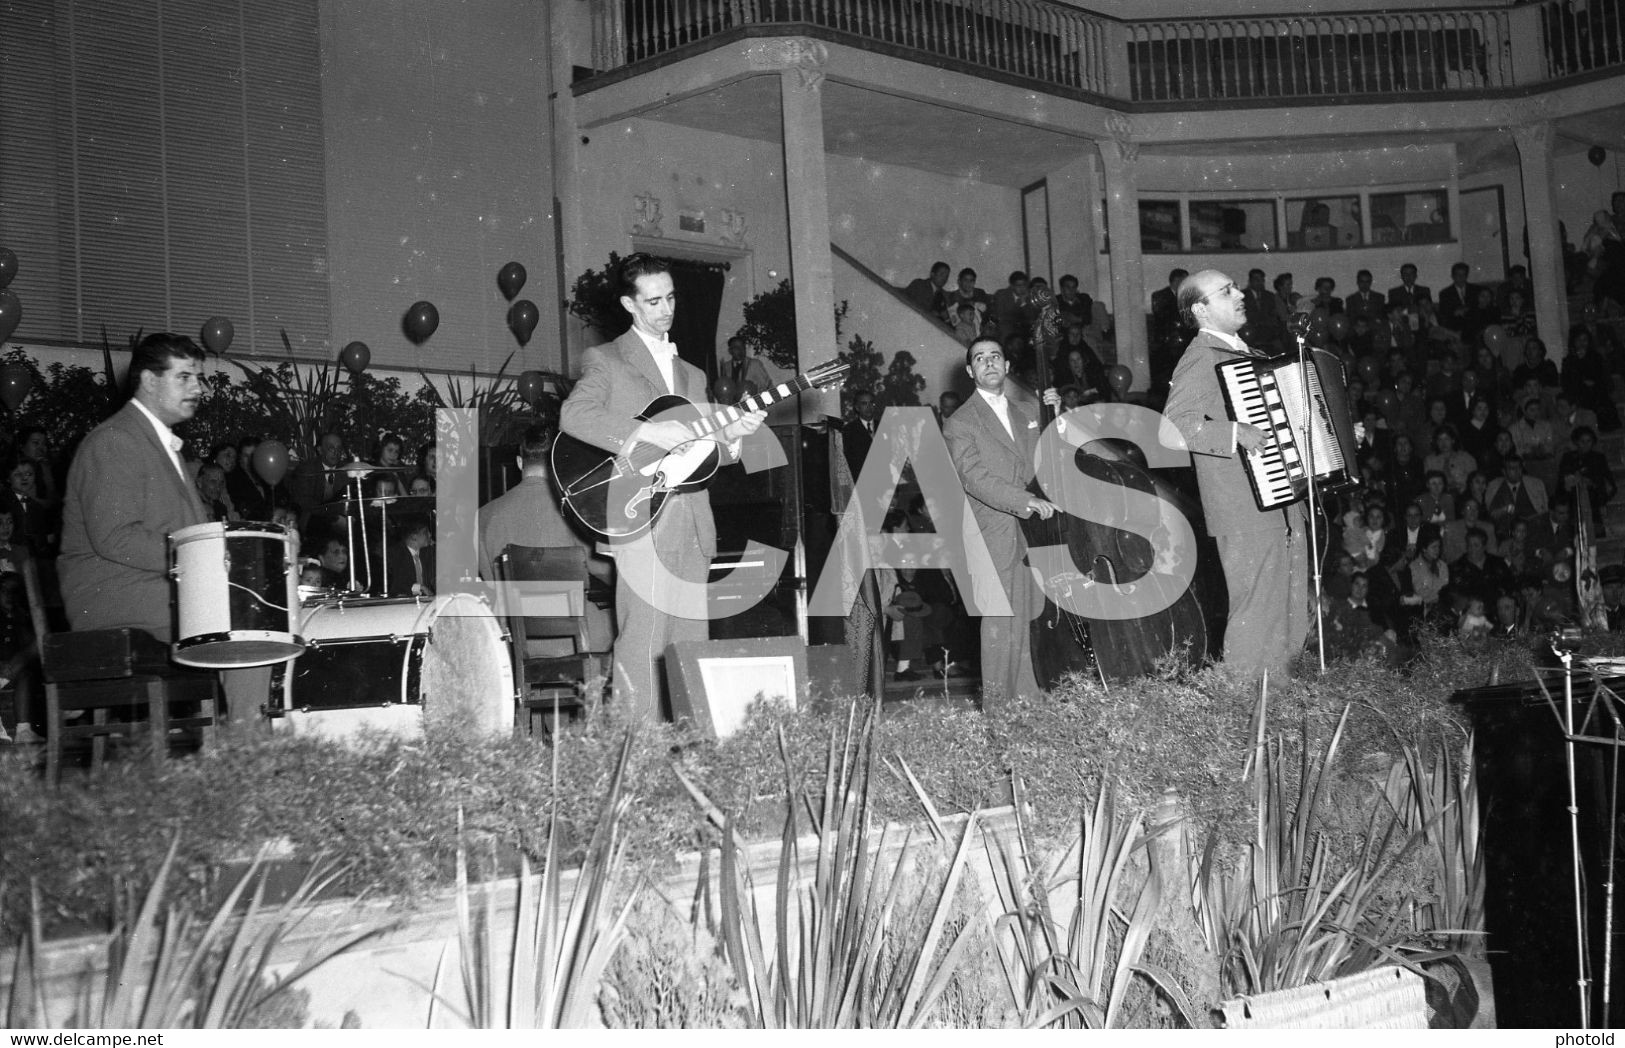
[(1225, 290)]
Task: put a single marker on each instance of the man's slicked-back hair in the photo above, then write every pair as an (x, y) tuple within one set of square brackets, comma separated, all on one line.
[(535, 444), (638, 264), (1190, 293), (156, 352)]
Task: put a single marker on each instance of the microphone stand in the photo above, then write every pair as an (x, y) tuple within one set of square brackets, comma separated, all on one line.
[(1300, 332)]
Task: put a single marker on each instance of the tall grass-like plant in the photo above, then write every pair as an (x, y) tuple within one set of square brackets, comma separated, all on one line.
[(168, 970), (848, 951), (544, 972), (1079, 975), (1441, 803), (299, 396), (1290, 914)]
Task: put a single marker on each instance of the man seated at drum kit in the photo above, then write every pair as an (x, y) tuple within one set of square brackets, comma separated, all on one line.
[(128, 491)]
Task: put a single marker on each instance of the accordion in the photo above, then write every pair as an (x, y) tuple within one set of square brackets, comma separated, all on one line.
[(1304, 426)]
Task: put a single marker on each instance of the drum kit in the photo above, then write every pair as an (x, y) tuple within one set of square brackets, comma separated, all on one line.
[(344, 662)]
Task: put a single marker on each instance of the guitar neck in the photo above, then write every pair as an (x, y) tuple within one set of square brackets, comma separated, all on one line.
[(714, 423)]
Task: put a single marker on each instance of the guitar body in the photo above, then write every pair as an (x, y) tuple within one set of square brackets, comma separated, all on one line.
[(618, 496)]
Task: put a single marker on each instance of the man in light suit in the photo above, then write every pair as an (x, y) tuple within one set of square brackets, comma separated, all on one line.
[(991, 440), (127, 491), (618, 380), (1264, 553)]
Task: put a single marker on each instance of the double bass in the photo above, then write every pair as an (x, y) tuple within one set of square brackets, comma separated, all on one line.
[(1106, 475)]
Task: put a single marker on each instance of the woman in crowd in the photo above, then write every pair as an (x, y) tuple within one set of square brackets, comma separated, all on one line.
[(1587, 381), (1367, 544), (1429, 575), (1456, 464), (1585, 468), (1455, 531), (1477, 435)]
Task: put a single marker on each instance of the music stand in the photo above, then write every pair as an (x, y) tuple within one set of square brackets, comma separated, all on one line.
[(1300, 334), (1603, 712)]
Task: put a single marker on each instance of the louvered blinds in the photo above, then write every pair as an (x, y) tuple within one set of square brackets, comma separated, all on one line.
[(160, 163)]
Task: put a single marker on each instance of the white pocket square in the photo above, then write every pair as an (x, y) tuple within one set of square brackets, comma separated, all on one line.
[(1032, 425)]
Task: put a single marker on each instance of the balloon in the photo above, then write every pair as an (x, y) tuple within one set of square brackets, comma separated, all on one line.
[(271, 461), (1495, 336), (511, 280), (217, 334), (1119, 378), (532, 384), (15, 382), (1388, 400), (420, 322), (355, 357), (1596, 154), (724, 390), (1339, 326), (522, 318), (1368, 369), (8, 266), (11, 313)]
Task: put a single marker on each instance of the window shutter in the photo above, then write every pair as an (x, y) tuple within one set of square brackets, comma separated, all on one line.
[(163, 163)]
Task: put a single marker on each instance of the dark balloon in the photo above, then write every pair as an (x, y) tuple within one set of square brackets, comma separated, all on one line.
[(1596, 154), (15, 382), (724, 390), (1120, 379), (271, 461), (217, 334), (355, 357), (8, 266), (522, 318), (11, 313), (511, 280), (421, 322), (532, 384), (1339, 325)]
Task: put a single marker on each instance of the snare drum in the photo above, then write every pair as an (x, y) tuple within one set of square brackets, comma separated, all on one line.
[(400, 667), (236, 595)]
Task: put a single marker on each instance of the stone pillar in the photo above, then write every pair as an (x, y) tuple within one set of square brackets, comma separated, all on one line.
[(812, 264), (568, 235), (1073, 244), (1119, 157), (1534, 143)]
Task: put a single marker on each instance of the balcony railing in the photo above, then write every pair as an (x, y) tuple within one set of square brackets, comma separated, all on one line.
[(1344, 57), (1045, 42), (1213, 59)]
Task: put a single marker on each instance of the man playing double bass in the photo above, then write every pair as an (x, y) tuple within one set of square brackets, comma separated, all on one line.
[(1265, 554), (991, 440)]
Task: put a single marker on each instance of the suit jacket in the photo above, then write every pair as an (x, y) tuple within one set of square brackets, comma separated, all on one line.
[(1413, 299), (856, 440), (1196, 408), (402, 576), (618, 380), (1455, 306), (995, 469), (313, 484), (751, 370), (1369, 304), (124, 498)]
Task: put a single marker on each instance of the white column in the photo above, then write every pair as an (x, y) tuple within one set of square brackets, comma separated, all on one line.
[(812, 265), (1118, 160), (1534, 143)]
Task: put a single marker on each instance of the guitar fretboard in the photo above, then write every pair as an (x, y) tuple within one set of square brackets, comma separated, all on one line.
[(705, 427)]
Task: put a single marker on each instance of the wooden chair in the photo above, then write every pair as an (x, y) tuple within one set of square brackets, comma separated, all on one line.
[(552, 652), (89, 674)]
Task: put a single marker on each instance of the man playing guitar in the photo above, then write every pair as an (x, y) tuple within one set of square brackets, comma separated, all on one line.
[(617, 381)]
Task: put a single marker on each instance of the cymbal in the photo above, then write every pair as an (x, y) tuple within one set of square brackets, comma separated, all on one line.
[(357, 468)]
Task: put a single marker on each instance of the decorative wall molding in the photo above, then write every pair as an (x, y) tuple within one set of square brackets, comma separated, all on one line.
[(806, 56), (646, 212)]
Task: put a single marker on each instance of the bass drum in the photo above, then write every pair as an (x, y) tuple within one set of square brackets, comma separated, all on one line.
[(398, 667)]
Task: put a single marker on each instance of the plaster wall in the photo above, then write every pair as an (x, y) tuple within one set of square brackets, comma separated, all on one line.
[(898, 221), (638, 179), (439, 172)]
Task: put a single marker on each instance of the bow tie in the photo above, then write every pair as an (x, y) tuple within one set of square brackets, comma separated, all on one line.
[(666, 348)]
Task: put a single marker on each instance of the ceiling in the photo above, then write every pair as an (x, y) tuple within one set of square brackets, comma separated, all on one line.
[(873, 125)]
